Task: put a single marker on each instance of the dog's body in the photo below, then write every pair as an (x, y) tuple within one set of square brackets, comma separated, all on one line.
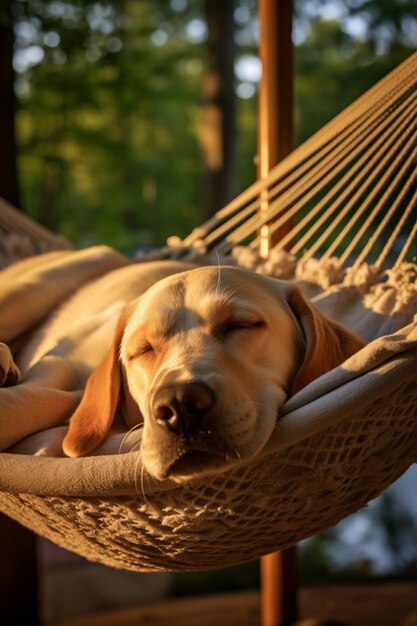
[(203, 357)]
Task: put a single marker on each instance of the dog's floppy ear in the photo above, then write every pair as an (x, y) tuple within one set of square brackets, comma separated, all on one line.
[(327, 343), (104, 393)]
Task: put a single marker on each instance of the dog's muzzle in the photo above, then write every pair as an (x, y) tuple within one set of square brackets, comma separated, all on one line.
[(183, 408)]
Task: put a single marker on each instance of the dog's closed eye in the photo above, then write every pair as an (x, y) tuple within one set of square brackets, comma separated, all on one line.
[(145, 349), (237, 325)]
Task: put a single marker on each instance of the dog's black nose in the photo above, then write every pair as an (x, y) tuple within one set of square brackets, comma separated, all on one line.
[(182, 407)]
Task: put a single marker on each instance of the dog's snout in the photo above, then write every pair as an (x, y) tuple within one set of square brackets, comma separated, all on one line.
[(182, 407)]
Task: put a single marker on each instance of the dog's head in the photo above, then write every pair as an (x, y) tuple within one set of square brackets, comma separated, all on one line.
[(206, 358)]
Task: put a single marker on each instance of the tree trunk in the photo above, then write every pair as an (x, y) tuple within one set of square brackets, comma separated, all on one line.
[(51, 192), (18, 569), (218, 131), (8, 173)]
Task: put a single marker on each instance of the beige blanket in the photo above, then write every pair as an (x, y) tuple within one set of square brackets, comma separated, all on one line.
[(370, 303)]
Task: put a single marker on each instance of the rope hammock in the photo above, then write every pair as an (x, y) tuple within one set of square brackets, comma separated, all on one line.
[(343, 202), (21, 237)]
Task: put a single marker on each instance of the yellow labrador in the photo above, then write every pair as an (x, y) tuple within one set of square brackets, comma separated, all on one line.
[(203, 357)]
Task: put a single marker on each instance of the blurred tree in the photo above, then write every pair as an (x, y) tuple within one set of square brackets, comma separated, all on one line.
[(8, 173), (107, 93), (218, 127), (342, 49), (110, 102), (398, 529)]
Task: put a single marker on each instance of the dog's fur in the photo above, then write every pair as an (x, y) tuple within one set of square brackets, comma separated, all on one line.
[(204, 357)]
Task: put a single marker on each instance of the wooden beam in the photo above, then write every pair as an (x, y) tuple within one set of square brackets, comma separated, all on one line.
[(275, 107), (275, 139), (279, 601)]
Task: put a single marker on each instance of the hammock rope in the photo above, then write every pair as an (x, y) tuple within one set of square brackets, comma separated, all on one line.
[(20, 223), (368, 164), (349, 195), (353, 166)]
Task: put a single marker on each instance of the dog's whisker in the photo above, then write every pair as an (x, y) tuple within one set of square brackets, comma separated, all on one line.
[(126, 435), (139, 482), (140, 479), (232, 453), (142, 484), (135, 447), (138, 459), (219, 273)]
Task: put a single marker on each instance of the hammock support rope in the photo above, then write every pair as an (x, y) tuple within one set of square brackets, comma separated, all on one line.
[(354, 165), (20, 236), (349, 191)]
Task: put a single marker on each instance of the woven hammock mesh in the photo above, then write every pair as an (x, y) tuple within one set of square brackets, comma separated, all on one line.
[(273, 503), (349, 191)]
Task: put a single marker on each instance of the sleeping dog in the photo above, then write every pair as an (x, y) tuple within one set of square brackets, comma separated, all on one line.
[(203, 357)]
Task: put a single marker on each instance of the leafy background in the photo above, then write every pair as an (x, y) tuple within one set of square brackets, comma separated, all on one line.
[(110, 102)]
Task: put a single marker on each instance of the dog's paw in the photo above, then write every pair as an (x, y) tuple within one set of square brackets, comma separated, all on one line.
[(9, 372)]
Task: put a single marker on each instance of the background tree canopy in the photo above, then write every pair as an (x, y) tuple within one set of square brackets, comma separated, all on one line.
[(109, 120)]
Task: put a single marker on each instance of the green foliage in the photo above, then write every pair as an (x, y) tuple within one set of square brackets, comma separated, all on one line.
[(316, 561), (398, 530), (334, 66), (108, 122), (109, 115), (110, 103)]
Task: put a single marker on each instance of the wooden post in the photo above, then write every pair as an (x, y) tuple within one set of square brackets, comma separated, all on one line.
[(279, 588), (275, 108), (18, 566), (278, 570)]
